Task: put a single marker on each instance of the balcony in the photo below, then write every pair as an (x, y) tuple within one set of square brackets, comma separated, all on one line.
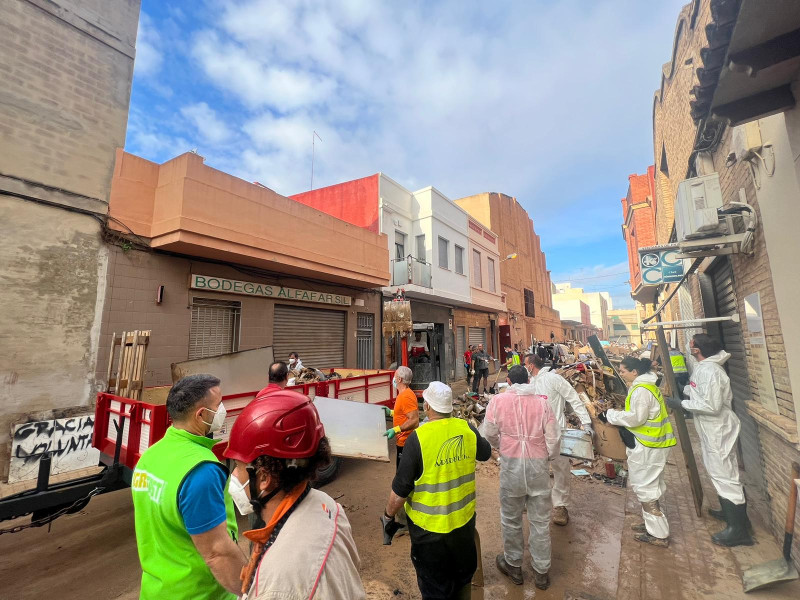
[(411, 271)]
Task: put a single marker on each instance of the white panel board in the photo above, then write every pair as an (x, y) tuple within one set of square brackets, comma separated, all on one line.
[(68, 440), (240, 372), (354, 429)]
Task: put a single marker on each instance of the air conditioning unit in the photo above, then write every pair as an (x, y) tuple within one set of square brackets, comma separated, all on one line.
[(696, 207), (746, 140)]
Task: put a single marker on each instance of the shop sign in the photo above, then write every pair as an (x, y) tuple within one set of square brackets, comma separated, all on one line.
[(659, 264), (759, 358), (277, 292)]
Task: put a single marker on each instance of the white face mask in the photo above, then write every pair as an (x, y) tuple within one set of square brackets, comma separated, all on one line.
[(238, 492), (394, 383), (219, 418), (292, 361)]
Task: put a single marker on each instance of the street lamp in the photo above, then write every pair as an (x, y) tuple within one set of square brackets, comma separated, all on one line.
[(509, 257)]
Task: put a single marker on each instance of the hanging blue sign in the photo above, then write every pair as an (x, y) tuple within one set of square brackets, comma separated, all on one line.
[(660, 264)]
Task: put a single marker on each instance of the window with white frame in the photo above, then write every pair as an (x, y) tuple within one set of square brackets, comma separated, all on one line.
[(399, 245), (444, 250), (421, 253), (477, 279), (459, 259), (492, 286)]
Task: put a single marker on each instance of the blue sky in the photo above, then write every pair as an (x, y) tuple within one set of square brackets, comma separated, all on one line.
[(549, 102)]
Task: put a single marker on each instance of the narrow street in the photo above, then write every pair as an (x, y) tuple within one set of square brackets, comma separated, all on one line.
[(92, 554)]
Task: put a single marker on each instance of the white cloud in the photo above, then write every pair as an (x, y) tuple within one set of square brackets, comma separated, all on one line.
[(205, 120), (148, 56)]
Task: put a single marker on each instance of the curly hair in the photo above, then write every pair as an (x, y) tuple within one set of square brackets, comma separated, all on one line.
[(290, 476)]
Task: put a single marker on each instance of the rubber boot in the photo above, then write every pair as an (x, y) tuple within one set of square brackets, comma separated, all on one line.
[(718, 514), (736, 533)]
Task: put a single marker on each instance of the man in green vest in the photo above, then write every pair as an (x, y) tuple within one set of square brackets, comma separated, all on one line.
[(185, 521), (436, 482)]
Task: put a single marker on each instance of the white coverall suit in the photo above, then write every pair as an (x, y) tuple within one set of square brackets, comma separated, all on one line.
[(557, 390), (710, 399), (645, 464), (522, 426)]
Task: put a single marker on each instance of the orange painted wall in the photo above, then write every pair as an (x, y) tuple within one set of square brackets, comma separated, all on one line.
[(354, 201)]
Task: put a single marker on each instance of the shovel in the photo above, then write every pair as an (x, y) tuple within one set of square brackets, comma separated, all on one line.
[(781, 569)]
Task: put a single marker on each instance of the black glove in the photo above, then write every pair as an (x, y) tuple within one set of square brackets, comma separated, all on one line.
[(602, 417), (390, 527), (673, 402)]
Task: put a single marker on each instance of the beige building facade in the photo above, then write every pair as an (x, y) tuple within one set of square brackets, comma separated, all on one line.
[(726, 107), (59, 126), (624, 326)]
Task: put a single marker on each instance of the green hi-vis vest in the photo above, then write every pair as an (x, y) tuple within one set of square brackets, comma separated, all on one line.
[(655, 433), (444, 496), (171, 565), (678, 363), (513, 361)]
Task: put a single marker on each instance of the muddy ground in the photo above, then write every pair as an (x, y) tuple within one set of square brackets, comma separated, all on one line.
[(92, 554)]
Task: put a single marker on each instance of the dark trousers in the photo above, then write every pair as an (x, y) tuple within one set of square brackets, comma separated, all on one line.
[(399, 455), (467, 368), (444, 567), (480, 374)]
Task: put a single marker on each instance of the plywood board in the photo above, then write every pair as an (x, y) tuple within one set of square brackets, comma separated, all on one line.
[(354, 429), (240, 372)]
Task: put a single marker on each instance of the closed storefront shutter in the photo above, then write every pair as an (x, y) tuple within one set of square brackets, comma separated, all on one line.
[(215, 327), (461, 347), (317, 335), (477, 335), (730, 334)]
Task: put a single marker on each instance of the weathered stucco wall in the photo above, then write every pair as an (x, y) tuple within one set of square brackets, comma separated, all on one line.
[(66, 68)]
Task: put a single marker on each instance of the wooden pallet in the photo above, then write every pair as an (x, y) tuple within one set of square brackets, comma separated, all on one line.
[(130, 363)]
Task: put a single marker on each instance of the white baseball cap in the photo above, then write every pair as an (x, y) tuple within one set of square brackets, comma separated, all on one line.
[(439, 397)]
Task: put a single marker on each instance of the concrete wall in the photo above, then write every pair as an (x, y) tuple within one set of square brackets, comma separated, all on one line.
[(597, 303), (66, 69), (489, 292), (353, 201), (569, 309), (134, 277)]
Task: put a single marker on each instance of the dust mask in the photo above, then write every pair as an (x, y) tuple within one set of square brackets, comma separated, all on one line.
[(238, 493), (219, 418)]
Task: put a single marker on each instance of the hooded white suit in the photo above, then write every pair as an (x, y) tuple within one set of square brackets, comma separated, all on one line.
[(710, 399)]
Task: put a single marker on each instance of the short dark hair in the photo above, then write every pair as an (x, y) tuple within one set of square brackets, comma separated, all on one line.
[(188, 393), (536, 360), (707, 345), (294, 354), (278, 372), (640, 365), (290, 477), (518, 374)]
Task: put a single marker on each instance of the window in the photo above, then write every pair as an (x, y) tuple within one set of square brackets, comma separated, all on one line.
[(444, 248), (399, 245), (459, 260), (214, 328), (530, 306), (477, 280), (421, 253), (635, 327), (620, 326), (663, 166), (492, 286)]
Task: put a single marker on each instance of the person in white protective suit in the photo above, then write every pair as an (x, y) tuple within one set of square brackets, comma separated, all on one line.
[(558, 392), (524, 429), (645, 416), (710, 399)]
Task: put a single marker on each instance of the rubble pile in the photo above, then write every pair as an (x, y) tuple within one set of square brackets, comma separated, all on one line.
[(594, 384), (471, 408), (311, 375)]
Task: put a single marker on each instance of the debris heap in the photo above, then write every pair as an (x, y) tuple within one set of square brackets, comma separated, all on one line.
[(595, 384)]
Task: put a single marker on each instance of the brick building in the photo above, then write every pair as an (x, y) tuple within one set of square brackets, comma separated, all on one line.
[(726, 106), (66, 68), (525, 279)]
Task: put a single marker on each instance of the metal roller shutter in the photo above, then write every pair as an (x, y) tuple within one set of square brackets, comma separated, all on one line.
[(317, 335), (477, 335), (215, 327), (461, 347), (730, 334)]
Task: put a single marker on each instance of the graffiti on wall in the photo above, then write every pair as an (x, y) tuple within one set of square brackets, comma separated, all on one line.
[(69, 442)]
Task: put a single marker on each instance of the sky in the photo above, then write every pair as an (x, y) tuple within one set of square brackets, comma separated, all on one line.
[(547, 101)]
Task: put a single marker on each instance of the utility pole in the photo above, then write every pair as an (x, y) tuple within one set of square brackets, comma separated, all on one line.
[(314, 135)]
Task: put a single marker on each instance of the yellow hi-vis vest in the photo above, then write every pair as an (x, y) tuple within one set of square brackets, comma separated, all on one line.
[(444, 496), (678, 362), (655, 433), (513, 361)]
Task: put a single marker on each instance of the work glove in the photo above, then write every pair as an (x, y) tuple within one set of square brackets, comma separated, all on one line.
[(388, 412), (390, 527), (390, 433), (602, 417), (588, 429), (673, 403)]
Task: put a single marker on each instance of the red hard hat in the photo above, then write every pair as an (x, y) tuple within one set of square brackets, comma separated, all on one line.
[(284, 424)]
